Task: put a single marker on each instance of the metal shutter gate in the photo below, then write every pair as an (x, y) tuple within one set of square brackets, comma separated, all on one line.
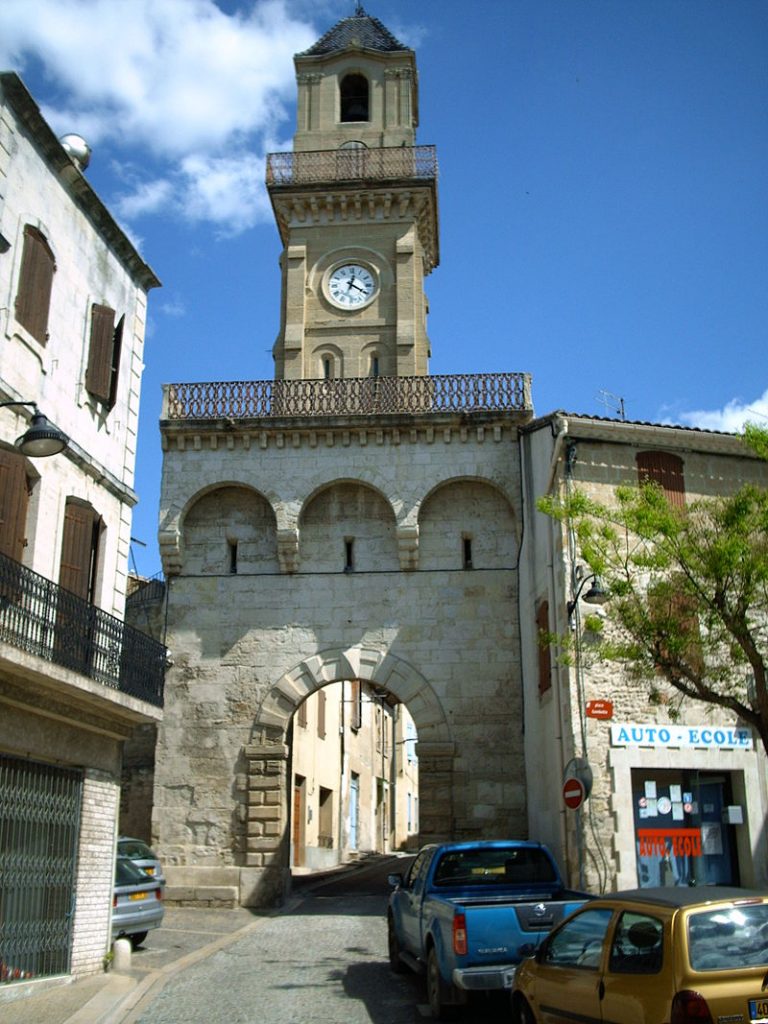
[(39, 828)]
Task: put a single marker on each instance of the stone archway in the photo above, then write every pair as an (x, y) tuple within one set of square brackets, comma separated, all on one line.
[(265, 877)]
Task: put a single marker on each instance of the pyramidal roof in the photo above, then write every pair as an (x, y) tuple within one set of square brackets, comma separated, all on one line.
[(361, 30)]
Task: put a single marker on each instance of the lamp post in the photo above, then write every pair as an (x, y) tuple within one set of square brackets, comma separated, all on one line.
[(42, 438), (597, 594)]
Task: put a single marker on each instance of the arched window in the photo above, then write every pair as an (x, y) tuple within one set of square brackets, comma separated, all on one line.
[(354, 98), (327, 365)]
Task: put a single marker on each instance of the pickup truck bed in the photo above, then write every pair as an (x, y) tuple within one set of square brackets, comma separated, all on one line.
[(467, 914)]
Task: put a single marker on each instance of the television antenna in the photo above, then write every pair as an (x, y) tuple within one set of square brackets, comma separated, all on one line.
[(613, 403)]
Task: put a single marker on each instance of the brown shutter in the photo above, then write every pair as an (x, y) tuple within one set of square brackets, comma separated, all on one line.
[(13, 504), (98, 376), (301, 715), (78, 550), (117, 346), (321, 714), (35, 283), (666, 470), (545, 652), (357, 705)]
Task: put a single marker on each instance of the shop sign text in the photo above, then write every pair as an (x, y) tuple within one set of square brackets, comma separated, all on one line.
[(711, 737), (679, 842)]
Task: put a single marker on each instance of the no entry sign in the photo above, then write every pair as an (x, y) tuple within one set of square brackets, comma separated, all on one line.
[(573, 793)]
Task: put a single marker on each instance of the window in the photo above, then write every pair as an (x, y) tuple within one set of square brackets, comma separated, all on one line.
[(354, 98), (637, 945), (375, 372), (14, 493), (579, 943), (79, 549), (349, 554), (232, 544), (104, 354), (33, 298), (327, 367), (545, 648), (466, 551), (666, 470)]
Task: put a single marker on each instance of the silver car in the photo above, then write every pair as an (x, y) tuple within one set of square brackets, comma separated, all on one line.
[(142, 855), (137, 904)]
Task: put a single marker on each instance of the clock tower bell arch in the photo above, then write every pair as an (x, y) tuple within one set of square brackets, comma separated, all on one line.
[(356, 208)]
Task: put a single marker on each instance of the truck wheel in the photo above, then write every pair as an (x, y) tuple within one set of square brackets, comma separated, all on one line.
[(438, 991), (395, 963)]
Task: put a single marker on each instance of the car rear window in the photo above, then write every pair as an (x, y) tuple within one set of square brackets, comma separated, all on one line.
[(729, 937), (135, 848), (126, 873), (496, 865)]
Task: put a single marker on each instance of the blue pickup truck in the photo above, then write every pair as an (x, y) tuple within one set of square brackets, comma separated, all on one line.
[(468, 913)]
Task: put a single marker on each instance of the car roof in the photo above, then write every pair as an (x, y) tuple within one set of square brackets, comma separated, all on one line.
[(683, 895)]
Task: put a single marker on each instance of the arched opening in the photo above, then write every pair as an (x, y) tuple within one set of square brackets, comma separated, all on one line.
[(277, 788), (354, 96), (354, 776)]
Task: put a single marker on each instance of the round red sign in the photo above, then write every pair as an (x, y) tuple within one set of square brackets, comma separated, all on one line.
[(573, 793)]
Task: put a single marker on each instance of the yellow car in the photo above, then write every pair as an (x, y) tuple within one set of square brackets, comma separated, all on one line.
[(652, 956)]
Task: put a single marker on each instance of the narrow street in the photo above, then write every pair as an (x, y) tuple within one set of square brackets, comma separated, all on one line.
[(322, 961)]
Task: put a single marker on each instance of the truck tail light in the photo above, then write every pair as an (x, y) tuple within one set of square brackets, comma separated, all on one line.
[(459, 935), (690, 1008)]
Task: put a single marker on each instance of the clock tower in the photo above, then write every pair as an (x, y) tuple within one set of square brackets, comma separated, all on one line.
[(356, 207)]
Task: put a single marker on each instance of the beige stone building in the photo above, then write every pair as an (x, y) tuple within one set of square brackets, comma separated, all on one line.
[(355, 520), (358, 521), (354, 774), (675, 799), (74, 679)]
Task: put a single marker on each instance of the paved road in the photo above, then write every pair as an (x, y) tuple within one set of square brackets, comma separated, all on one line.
[(323, 961)]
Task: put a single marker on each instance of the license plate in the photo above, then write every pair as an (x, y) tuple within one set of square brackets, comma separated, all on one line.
[(758, 1011), (137, 896)]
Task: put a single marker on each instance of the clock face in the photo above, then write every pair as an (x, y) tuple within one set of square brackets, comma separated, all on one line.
[(351, 286)]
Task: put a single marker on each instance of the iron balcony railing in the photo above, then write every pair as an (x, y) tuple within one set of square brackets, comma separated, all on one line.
[(42, 618), (336, 165), (365, 396)]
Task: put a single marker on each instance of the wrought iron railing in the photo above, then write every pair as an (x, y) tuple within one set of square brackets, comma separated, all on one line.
[(366, 396), (336, 165), (42, 618)]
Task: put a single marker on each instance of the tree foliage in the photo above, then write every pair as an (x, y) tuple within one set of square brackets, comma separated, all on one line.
[(689, 590)]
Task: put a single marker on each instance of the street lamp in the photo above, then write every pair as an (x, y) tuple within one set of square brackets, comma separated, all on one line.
[(597, 594), (42, 438)]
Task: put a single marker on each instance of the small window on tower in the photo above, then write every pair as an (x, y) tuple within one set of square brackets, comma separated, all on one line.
[(375, 372), (354, 98), (232, 556), (466, 551), (349, 554), (327, 367)]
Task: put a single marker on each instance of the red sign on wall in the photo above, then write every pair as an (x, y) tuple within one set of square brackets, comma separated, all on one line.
[(574, 793), (680, 842), (599, 709)]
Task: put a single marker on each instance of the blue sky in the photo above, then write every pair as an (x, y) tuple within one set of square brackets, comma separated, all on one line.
[(603, 187)]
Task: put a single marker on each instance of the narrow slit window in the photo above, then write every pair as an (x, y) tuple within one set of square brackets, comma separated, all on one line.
[(349, 554), (327, 368), (233, 557), (375, 366), (466, 552)]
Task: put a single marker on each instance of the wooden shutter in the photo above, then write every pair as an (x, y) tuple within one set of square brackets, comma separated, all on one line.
[(117, 346), (666, 470), (301, 715), (545, 650), (33, 299), (98, 376), (14, 493), (79, 548), (321, 714), (356, 720)]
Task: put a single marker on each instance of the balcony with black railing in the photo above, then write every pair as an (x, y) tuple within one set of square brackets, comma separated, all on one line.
[(41, 618), (353, 396), (394, 163)]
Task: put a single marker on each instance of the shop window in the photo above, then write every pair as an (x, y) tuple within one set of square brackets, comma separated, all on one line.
[(354, 95), (33, 299), (104, 354), (666, 470)]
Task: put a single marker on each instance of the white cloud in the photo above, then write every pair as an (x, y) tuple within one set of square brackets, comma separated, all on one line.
[(731, 418), (199, 92)]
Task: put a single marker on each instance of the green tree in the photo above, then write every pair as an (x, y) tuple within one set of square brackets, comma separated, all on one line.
[(689, 590)]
